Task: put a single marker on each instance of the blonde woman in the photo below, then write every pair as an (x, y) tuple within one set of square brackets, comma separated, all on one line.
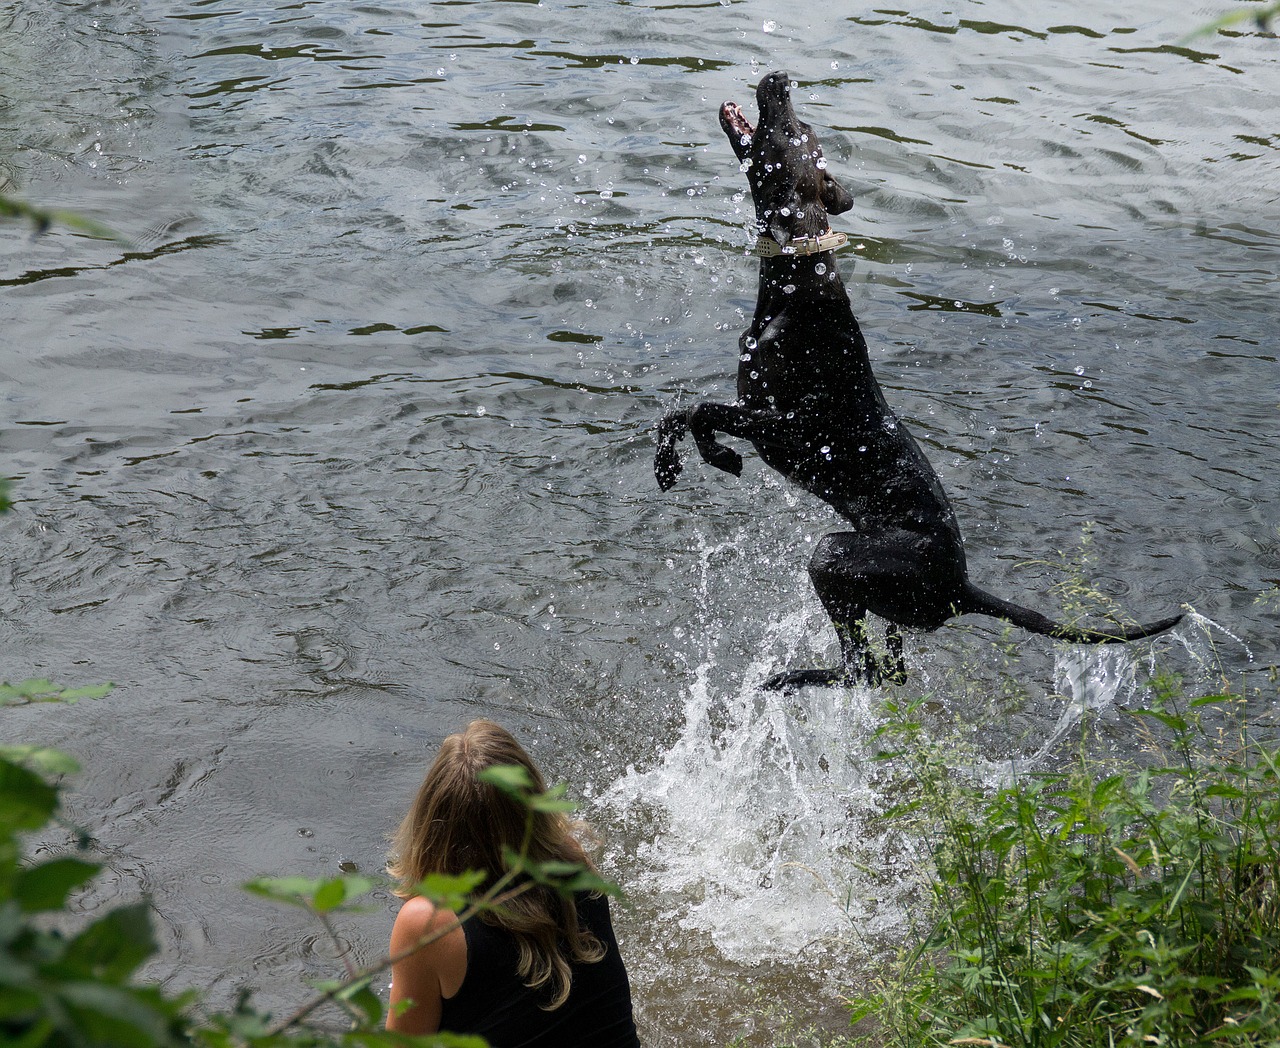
[(541, 970)]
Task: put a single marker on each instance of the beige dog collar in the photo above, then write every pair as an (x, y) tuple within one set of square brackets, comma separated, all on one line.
[(767, 247)]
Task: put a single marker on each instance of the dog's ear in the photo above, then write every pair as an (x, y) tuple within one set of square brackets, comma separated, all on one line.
[(780, 208), (835, 198), (779, 224)]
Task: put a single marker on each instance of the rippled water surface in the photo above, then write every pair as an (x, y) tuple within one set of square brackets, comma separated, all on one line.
[(351, 441)]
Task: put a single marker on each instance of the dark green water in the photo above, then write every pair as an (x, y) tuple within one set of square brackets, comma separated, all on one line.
[(352, 442)]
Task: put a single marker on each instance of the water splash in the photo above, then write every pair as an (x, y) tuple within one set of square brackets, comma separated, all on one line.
[(1092, 680), (759, 819), (760, 816)]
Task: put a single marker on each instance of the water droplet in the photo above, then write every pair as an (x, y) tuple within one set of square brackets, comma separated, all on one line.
[(862, 448), (822, 163), (788, 289), (750, 342), (1079, 370), (482, 410), (770, 25), (820, 268)]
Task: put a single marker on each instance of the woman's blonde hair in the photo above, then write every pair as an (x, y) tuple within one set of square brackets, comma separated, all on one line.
[(459, 823)]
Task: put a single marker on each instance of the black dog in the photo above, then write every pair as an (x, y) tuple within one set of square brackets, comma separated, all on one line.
[(808, 402)]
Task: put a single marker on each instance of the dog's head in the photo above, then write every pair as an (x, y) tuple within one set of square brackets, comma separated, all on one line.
[(793, 192)]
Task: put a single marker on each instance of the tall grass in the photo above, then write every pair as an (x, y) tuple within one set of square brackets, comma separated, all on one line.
[(1095, 905)]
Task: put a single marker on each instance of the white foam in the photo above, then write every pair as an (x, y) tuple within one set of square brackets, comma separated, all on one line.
[(760, 817)]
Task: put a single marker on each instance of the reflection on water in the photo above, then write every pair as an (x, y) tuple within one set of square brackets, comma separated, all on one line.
[(351, 442)]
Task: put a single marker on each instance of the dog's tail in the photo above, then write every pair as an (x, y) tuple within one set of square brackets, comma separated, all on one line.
[(980, 602)]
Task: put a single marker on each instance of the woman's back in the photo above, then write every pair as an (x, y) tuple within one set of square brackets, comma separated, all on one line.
[(494, 1002)]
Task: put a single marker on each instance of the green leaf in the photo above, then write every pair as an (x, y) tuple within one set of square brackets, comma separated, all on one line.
[(27, 802), (552, 801), (555, 868), (37, 689), (451, 892), (42, 218), (41, 759), (1212, 700), (586, 881), (510, 778), (332, 894), (1172, 721), (46, 887), (295, 891), (112, 947), (92, 691), (117, 1015)]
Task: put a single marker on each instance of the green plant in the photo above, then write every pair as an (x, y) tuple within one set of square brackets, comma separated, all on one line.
[(1136, 907), (1260, 16), (42, 218), (58, 989)]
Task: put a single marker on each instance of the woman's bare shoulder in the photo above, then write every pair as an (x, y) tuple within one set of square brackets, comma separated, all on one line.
[(419, 917)]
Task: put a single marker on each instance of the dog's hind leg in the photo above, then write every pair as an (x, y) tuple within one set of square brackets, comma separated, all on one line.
[(885, 574), (857, 661)]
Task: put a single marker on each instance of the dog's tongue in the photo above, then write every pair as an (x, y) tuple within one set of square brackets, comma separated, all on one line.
[(732, 116)]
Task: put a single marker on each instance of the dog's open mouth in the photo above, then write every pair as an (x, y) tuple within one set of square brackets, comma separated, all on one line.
[(737, 127)]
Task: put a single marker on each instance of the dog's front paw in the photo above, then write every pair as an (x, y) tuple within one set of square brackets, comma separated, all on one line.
[(724, 458), (666, 465)]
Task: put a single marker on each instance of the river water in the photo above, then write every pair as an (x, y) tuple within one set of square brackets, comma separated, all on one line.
[(351, 441)]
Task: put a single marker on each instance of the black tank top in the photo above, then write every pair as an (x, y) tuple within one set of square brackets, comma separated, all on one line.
[(494, 1002)]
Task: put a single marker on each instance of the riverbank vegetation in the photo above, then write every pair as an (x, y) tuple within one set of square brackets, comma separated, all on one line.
[(1104, 903)]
